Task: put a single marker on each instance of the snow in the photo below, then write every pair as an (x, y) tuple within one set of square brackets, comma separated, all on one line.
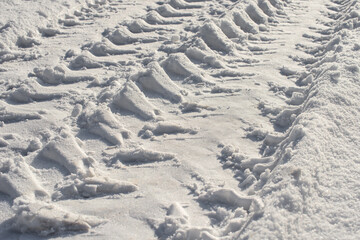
[(156, 80), (179, 119), (45, 219), (132, 99)]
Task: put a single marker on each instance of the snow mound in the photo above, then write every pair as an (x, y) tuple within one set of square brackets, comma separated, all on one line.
[(229, 223), (51, 76), (256, 14), (297, 98), (200, 52), (139, 26), (197, 54), (17, 180), (167, 11), (153, 17), (164, 128), (10, 114), (130, 98), (287, 116), (231, 30), (244, 22), (101, 122), (86, 60), (101, 49), (277, 4), (177, 226), (27, 42), (215, 38), (267, 8), (123, 36), (187, 107), (180, 4), (73, 187), (179, 64), (58, 75), (7, 54), (231, 198), (3, 142), (33, 91), (49, 31), (70, 22), (20, 144), (227, 72), (65, 150), (83, 61), (140, 155), (156, 80), (45, 219)]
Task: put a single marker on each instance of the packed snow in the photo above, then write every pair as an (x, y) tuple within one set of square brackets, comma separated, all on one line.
[(179, 119)]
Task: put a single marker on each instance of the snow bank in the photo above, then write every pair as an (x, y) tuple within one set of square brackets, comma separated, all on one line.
[(304, 184), (311, 188)]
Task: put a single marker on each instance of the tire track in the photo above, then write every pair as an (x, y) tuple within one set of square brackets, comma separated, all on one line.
[(127, 91)]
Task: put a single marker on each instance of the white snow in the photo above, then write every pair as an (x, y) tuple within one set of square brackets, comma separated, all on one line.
[(179, 119)]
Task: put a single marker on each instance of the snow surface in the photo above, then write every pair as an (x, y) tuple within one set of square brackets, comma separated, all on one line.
[(179, 119)]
